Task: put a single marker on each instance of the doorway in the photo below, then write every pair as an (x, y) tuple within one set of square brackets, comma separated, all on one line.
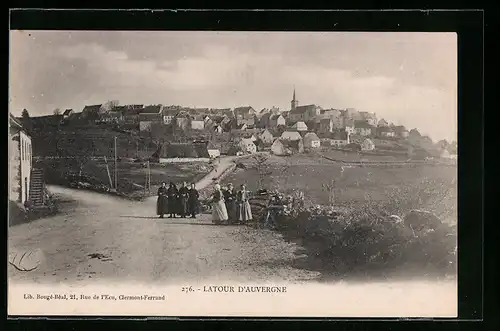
[(25, 188)]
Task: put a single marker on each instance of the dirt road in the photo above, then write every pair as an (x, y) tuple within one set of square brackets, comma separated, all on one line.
[(100, 237)]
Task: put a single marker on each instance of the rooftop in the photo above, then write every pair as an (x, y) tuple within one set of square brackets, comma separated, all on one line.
[(302, 109), (153, 109)]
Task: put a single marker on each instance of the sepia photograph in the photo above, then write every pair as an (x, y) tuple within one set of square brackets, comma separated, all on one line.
[(226, 173)]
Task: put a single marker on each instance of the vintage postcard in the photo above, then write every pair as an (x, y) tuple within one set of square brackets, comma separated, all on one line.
[(246, 174)]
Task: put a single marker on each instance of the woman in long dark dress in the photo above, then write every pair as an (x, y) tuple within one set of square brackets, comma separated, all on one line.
[(183, 200), (193, 202), (162, 201), (244, 209), (172, 200), (230, 200)]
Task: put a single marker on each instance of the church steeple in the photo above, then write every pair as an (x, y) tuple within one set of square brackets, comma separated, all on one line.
[(294, 102)]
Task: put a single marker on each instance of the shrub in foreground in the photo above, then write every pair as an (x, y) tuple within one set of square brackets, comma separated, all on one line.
[(378, 236)]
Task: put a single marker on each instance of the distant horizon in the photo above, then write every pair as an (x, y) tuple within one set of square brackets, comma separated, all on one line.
[(409, 79)]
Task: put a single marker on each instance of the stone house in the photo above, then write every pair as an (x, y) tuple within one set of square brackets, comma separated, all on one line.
[(131, 114), (150, 115), (335, 115), (311, 140), (246, 112), (370, 118), (400, 131), (197, 123), (385, 131), (367, 145), (337, 139), (351, 114), (168, 115), (291, 135), (382, 123), (299, 126), (277, 120), (283, 147), (349, 126), (304, 113), (247, 145), (92, 113), (362, 128), (267, 137), (326, 125)]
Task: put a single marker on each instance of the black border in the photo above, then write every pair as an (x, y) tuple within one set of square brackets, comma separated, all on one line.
[(469, 26)]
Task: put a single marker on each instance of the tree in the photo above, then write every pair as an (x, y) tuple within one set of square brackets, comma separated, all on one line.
[(86, 150), (108, 106), (57, 111), (263, 168), (26, 121), (80, 151), (284, 170), (158, 134), (330, 189)]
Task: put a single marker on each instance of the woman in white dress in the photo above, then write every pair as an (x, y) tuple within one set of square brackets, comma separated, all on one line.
[(218, 206)]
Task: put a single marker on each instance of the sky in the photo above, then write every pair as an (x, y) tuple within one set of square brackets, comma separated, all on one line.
[(406, 78)]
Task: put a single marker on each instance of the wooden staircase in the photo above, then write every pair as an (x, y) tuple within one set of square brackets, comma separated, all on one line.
[(37, 187)]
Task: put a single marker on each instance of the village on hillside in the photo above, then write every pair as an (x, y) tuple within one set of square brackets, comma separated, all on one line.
[(191, 138), (235, 131)]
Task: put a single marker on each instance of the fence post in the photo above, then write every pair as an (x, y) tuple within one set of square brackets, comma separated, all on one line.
[(109, 174)]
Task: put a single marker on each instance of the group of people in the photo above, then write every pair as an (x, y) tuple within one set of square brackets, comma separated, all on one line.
[(230, 206), (173, 201)]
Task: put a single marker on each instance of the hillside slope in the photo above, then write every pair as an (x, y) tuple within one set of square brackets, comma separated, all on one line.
[(90, 140)]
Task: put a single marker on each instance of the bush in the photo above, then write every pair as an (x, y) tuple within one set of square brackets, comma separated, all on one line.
[(367, 237)]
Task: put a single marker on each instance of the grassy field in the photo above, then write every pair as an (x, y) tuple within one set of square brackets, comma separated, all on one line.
[(131, 176), (364, 241), (355, 184)]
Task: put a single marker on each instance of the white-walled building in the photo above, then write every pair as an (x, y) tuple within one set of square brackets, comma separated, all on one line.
[(299, 126), (311, 140), (20, 162), (291, 135), (367, 145), (247, 145)]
